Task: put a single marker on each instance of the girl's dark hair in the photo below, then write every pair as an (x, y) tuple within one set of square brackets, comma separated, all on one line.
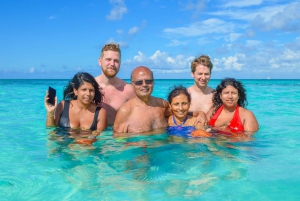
[(217, 102), (77, 81), (178, 90)]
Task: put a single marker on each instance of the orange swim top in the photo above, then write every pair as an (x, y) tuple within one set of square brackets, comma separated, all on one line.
[(235, 125)]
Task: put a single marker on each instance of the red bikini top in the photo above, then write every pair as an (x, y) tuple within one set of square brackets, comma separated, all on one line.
[(235, 125)]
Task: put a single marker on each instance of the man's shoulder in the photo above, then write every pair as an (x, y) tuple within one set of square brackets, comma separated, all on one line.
[(160, 101)]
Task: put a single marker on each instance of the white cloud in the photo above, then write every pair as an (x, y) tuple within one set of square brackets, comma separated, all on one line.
[(233, 37), (136, 29), (31, 70), (118, 10), (133, 30), (253, 42), (243, 3), (228, 63), (161, 61), (249, 15), (286, 19), (140, 57), (208, 26)]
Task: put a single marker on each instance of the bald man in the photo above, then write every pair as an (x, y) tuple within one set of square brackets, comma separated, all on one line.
[(143, 113)]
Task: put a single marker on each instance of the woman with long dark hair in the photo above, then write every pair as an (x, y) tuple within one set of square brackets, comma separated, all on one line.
[(79, 108), (228, 112)]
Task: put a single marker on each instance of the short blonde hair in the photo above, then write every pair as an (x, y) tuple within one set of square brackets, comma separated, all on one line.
[(203, 60)]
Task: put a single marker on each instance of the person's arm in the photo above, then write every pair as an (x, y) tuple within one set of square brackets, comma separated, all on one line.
[(120, 124), (201, 117), (168, 111), (102, 122), (250, 122)]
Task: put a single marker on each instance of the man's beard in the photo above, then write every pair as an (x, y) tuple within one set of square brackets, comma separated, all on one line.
[(110, 73)]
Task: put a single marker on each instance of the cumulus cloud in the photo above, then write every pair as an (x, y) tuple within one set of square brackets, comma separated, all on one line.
[(208, 26), (161, 61), (229, 63), (118, 10)]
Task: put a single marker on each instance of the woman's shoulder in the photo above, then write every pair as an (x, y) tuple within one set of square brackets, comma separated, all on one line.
[(245, 113)]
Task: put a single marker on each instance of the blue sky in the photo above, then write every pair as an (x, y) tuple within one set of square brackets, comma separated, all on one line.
[(245, 39)]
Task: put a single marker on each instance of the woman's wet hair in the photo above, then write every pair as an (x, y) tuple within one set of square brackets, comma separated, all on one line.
[(78, 79), (176, 91), (217, 102)]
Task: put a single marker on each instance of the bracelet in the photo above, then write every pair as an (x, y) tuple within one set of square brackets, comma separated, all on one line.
[(50, 115)]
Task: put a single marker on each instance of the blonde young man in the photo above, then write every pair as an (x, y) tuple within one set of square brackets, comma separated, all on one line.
[(115, 90), (201, 94)]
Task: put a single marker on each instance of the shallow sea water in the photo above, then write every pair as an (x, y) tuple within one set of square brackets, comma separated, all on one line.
[(37, 165)]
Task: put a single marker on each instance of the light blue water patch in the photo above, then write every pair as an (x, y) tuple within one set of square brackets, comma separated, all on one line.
[(37, 164)]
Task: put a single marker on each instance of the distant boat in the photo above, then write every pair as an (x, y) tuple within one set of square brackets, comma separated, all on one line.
[(268, 78)]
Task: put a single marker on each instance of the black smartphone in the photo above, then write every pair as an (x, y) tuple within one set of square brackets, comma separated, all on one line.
[(51, 95)]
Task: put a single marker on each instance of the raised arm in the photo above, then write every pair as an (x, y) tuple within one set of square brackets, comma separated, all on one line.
[(53, 112)]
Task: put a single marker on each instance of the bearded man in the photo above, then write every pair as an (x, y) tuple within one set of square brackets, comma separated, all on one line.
[(116, 91)]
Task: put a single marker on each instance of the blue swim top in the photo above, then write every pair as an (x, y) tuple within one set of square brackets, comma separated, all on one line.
[(180, 130)]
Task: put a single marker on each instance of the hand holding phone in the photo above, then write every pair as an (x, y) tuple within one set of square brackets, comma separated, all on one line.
[(51, 95)]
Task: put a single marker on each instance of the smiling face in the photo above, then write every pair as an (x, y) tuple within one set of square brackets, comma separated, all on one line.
[(85, 93), (180, 106), (201, 75), (142, 81), (110, 63), (229, 96)]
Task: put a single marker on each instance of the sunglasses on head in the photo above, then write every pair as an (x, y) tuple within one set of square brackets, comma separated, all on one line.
[(140, 82)]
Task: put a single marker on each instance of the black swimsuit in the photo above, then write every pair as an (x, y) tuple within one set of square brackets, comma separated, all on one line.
[(64, 121)]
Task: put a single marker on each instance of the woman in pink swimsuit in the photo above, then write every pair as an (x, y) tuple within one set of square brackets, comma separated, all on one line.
[(228, 113)]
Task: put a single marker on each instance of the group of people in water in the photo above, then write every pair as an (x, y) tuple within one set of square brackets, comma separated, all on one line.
[(198, 111)]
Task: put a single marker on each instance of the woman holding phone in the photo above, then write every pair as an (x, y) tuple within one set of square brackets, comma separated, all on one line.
[(79, 109)]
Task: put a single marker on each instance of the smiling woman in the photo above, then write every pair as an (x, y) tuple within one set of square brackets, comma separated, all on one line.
[(228, 112), (79, 109), (181, 123)]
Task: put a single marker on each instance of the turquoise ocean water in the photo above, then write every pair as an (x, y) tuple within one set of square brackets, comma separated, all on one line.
[(36, 165)]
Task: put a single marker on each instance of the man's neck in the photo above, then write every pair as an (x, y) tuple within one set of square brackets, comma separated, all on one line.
[(104, 80), (202, 89), (145, 100)]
